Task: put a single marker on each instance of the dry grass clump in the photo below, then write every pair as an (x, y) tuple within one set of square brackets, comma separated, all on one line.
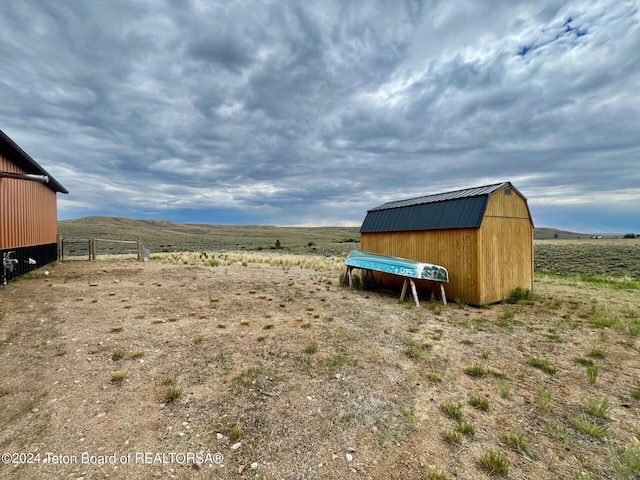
[(452, 410), (117, 354), (272, 259), (494, 462), (517, 440), (119, 376), (172, 394), (436, 473), (479, 402)]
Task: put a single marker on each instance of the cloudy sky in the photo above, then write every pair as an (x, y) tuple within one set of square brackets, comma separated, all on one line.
[(310, 113)]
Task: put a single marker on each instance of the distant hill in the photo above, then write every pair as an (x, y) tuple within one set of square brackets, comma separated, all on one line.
[(161, 235), (551, 233)]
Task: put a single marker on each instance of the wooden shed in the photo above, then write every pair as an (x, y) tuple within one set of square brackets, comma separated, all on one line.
[(28, 212), (482, 235)]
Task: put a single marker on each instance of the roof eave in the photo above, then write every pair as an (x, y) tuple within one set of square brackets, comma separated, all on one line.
[(27, 163)]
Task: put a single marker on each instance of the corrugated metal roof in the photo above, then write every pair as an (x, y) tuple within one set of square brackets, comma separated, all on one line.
[(441, 197), (457, 209), (10, 150)]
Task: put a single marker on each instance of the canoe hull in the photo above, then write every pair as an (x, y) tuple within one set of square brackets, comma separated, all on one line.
[(396, 266)]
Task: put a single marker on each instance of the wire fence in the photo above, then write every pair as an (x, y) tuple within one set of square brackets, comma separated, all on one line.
[(101, 248)]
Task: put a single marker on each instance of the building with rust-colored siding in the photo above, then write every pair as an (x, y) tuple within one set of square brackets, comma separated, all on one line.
[(482, 235), (28, 211)]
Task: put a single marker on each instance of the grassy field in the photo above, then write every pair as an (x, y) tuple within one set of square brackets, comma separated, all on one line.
[(596, 258)]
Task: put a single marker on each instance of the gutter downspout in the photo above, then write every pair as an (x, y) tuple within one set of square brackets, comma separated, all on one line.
[(26, 176)]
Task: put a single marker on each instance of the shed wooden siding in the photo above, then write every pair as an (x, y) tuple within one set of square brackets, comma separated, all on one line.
[(454, 249), (28, 211), (505, 247)]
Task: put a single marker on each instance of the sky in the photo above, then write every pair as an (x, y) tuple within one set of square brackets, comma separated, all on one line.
[(311, 113)]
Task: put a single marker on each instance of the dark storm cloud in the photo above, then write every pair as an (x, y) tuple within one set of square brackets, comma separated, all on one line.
[(312, 112), (226, 51)]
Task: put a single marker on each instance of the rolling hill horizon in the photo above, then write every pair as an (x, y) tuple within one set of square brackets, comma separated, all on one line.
[(169, 232)]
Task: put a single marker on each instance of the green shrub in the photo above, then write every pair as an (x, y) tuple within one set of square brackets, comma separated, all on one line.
[(172, 394), (598, 408), (477, 370), (587, 362), (517, 441), (437, 474), (452, 410), (518, 294), (543, 365), (118, 354), (543, 399), (479, 402), (494, 462), (585, 426), (311, 348), (627, 464), (505, 387), (452, 437), (466, 428)]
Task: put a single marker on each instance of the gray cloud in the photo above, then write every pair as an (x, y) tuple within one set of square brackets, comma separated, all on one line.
[(296, 112)]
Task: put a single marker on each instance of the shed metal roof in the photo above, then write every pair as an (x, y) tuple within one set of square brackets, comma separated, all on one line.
[(10, 150), (456, 209)]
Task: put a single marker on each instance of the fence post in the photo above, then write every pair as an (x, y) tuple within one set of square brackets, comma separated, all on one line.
[(139, 245), (92, 254), (59, 246)]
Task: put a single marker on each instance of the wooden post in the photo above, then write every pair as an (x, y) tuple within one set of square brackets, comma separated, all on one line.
[(414, 291), (345, 278), (444, 297), (92, 254), (59, 246), (139, 245), (404, 289)]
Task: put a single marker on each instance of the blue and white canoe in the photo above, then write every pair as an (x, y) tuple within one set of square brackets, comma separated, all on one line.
[(396, 266)]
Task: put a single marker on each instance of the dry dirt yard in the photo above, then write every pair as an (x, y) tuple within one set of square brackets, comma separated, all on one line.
[(262, 366)]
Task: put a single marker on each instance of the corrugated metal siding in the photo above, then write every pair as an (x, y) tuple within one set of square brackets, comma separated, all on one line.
[(28, 211), (458, 213)]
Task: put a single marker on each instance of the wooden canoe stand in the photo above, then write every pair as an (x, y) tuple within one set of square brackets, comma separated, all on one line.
[(407, 281)]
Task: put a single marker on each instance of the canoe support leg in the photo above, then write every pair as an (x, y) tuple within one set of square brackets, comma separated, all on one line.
[(409, 281), (415, 292), (347, 277), (404, 289), (444, 296)]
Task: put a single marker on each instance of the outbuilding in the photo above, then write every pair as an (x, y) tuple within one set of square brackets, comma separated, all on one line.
[(28, 212), (483, 236)]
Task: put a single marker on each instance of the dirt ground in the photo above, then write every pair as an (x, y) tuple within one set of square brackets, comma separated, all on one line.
[(240, 366)]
